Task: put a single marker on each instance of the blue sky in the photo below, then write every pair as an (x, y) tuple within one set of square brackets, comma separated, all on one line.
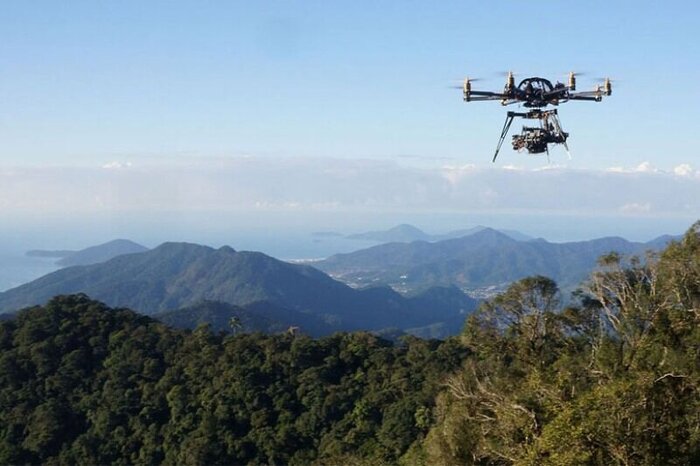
[(339, 115), (85, 81)]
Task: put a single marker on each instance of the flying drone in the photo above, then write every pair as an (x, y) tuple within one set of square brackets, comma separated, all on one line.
[(536, 94)]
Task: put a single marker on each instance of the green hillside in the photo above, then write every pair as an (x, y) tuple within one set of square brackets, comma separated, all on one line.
[(262, 317), (176, 275), (484, 258)]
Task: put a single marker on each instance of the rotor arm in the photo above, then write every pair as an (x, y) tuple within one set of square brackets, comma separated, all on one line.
[(496, 95), (585, 97), (593, 96), (482, 98), (470, 96)]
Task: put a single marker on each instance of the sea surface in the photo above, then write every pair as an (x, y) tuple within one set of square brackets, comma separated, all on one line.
[(17, 269)]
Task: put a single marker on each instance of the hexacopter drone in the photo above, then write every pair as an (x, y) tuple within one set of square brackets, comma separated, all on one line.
[(535, 94)]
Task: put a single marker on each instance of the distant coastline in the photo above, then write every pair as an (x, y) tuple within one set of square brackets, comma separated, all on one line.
[(327, 234), (58, 254)]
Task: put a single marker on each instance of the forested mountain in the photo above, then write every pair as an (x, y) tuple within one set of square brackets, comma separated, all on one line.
[(405, 233), (612, 378), (485, 258), (261, 316), (91, 255), (176, 275), (101, 253), (267, 317)]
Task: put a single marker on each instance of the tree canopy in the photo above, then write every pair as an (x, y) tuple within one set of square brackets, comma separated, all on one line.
[(611, 376)]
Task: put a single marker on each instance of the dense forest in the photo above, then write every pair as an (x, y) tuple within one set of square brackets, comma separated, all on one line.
[(610, 377)]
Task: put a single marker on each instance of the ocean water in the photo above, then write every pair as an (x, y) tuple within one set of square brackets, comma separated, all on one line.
[(17, 269)]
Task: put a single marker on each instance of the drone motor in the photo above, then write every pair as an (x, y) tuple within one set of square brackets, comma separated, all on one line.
[(607, 85), (467, 89), (510, 82)]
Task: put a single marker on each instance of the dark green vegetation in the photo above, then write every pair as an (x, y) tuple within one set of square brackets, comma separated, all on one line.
[(255, 317), (176, 275), (84, 384), (268, 318), (613, 378), (484, 258)]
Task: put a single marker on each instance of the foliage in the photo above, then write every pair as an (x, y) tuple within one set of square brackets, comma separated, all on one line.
[(81, 383), (614, 379)]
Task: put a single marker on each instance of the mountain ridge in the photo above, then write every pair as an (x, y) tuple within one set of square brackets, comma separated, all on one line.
[(406, 233), (486, 258), (176, 275)]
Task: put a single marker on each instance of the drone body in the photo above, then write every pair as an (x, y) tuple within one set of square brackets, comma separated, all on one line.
[(536, 93)]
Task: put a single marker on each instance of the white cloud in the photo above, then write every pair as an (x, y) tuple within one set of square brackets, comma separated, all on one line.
[(283, 205), (453, 173), (550, 167), (343, 185), (636, 208), (684, 169), (116, 165), (645, 167)]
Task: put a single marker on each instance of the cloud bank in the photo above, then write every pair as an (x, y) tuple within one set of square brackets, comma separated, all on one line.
[(326, 184)]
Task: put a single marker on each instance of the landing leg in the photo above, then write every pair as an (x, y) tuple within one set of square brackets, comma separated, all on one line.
[(504, 132), (560, 132)]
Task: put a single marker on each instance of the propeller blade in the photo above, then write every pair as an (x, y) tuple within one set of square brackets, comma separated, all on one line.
[(612, 80), (473, 80)]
